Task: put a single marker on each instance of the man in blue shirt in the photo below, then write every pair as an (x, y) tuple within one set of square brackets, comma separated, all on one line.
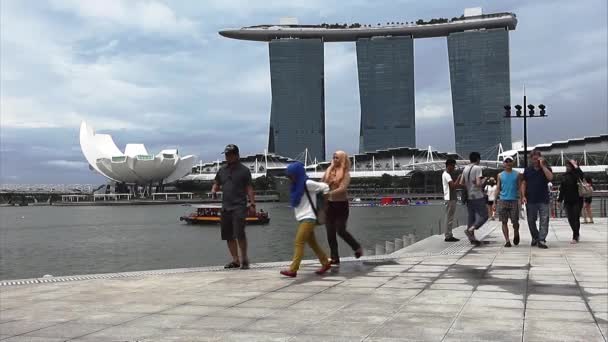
[(508, 196), (535, 195)]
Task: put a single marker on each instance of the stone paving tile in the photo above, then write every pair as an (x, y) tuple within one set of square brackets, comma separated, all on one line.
[(267, 303), (548, 305), (109, 318), (23, 326), (67, 330), (276, 325), (121, 333), (245, 312), (164, 321), (485, 330), (319, 338), (196, 310), (190, 335), (24, 338), (559, 315), (439, 310), (304, 315), (219, 323), (561, 331)]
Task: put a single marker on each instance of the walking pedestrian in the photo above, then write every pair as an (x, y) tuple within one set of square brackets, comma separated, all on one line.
[(337, 176), (587, 213), (535, 196), (302, 198), (449, 195), (569, 195), (490, 191), (234, 180), (508, 200), (473, 180)]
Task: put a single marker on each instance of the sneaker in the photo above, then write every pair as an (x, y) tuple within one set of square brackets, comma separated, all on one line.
[(516, 239), (245, 265), (451, 239), (508, 244), (289, 273), (477, 243), (358, 253), (233, 265), (323, 269), (334, 262), (470, 233), (573, 242), (534, 243), (542, 245)]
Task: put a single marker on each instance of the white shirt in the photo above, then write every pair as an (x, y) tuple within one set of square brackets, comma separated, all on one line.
[(304, 210), (491, 192), (446, 178)]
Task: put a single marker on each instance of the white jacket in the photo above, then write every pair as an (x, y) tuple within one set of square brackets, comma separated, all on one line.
[(304, 210)]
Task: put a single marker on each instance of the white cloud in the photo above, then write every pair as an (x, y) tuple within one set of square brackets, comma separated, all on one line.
[(433, 105), (147, 16), (68, 164)]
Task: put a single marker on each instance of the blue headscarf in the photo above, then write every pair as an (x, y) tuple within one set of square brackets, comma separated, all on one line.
[(299, 184)]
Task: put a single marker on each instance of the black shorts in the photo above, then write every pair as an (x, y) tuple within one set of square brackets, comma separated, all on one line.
[(588, 199), (490, 202), (232, 224)]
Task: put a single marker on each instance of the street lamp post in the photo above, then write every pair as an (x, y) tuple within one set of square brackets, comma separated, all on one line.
[(526, 114)]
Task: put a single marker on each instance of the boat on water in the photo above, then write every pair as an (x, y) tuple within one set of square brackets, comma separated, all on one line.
[(211, 214)]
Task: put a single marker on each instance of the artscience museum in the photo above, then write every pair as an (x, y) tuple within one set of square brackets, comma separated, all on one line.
[(135, 165)]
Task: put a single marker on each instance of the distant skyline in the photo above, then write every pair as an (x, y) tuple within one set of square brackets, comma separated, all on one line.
[(157, 72)]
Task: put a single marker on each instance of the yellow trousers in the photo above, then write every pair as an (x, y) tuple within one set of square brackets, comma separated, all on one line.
[(306, 234)]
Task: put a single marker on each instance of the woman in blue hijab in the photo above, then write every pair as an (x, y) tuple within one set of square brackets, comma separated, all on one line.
[(302, 194)]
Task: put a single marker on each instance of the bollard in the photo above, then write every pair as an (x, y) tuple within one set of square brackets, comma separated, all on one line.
[(379, 249), (369, 252), (398, 244), (406, 241), (390, 247)]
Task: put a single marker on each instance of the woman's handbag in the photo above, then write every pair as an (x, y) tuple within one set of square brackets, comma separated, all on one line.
[(584, 189)]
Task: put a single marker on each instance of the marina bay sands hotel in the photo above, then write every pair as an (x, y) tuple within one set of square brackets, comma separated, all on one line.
[(478, 53)]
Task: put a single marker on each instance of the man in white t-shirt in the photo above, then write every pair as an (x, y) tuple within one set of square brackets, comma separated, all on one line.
[(449, 195)]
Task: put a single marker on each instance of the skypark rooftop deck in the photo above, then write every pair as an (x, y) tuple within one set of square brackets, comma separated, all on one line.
[(266, 33)]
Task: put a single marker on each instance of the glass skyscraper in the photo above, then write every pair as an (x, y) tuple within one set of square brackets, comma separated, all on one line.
[(297, 117), (479, 75), (386, 89)]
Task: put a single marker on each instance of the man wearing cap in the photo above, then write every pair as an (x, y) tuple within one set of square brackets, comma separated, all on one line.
[(234, 180), (535, 196)]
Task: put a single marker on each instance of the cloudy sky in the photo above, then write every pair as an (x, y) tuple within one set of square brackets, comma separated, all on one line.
[(157, 72)]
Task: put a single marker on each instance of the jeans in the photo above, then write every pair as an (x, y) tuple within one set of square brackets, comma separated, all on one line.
[(306, 234), (573, 210), (337, 216), (534, 211), (450, 209), (477, 212)]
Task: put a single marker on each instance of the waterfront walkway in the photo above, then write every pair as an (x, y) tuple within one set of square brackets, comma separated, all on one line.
[(441, 292)]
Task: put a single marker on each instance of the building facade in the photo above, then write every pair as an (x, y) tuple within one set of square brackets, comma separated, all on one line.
[(480, 82), (386, 88), (297, 116)]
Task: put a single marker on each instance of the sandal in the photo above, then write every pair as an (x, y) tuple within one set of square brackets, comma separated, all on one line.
[(233, 265)]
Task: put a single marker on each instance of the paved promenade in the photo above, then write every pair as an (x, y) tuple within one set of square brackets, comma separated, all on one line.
[(431, 291)]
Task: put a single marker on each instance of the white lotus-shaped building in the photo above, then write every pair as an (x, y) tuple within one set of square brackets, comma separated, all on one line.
[(135, 165)]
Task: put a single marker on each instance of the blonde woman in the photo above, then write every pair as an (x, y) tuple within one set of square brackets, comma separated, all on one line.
[(337, 177)]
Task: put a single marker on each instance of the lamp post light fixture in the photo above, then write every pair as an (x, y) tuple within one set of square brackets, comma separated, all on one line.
[(521, 112)]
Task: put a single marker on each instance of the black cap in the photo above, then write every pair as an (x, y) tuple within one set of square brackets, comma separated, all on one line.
[(231, 148)]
